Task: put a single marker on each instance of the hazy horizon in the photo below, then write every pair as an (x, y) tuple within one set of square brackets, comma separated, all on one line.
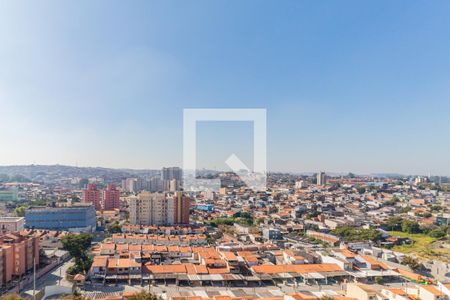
[(333, 172)]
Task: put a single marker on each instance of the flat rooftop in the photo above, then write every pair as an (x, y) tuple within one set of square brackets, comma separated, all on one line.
[(9, 219)]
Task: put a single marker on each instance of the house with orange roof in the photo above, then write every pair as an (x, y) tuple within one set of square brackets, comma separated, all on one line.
[(250, 258), (98, 267), (403, 293), (362, 291), (430, 292), (108, 249), (291, 258), (123, 267), (300, 296), (372, 263), (444, 287), (345, 254)]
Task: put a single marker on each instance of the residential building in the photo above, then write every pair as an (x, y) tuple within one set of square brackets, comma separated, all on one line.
[(92, 195), (149, 209), (172, 173), (155, 184), (431, 293), (181, 208), (18, 254), (157, 209), (301, 184), (129, 185), (362, 292), (321, 178), (272, 234), (12, 223), (111, 197), (171, 178)]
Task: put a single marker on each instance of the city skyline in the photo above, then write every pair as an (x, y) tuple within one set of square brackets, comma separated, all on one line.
[(302, 172), (358, 88)]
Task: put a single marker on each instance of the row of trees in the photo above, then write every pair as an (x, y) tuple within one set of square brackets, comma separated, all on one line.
[(350, 233), (243, 218), (397, 223)]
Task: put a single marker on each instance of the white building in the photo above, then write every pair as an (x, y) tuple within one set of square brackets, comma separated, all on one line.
[(301, 184), (12, 223)]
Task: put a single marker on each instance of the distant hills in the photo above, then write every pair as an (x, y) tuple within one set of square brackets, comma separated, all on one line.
[(48, 172)]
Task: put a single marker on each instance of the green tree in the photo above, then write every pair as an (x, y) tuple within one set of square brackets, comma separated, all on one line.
[(78, 245), (411, 262), (391, 202), (361, 189), (258, 221), (350, 233), (20, 211), (244, 221), (273, 210), (243, 214), (82, 183), (114, 227), (436, 208), (437, 233), (405, 210), (222, 221), (393, 223), (410, 226)]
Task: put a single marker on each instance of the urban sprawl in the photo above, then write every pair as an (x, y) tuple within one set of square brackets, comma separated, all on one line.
[(125, 234)]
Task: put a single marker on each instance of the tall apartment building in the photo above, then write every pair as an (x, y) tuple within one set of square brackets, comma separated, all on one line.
[(92, 195), (158, 209), (171, 173), (172, 178), (129, 185), (107, 199), (321, 178), (155, 184), (17, 254), (111, 197), (134, 185), (182, 205), (148, 209)]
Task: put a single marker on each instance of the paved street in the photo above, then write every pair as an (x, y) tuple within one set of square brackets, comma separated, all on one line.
[(57, 276)]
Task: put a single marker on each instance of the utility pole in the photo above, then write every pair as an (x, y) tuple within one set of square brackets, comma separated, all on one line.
[(34, 278)]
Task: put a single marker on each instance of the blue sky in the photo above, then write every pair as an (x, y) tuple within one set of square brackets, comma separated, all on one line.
[(348, 85)]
